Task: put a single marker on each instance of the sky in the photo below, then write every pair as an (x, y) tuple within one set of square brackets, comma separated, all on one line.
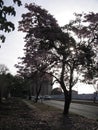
[(62, 10)]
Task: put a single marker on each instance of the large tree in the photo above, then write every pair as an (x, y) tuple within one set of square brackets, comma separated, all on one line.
[(50, 50), (5, 11)]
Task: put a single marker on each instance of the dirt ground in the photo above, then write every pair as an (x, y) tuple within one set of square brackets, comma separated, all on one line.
[(16, 114)]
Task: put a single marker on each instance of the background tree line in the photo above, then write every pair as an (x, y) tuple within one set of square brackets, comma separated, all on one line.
[(10, 85)]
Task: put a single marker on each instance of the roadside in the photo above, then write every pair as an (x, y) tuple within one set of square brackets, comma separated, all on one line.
[(87, 111), (86, 102), (57, 121), (25, 115)]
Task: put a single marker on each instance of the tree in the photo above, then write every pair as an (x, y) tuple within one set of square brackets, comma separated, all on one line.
[(7, 81), (50, 50), (38, 79), (3, 80), (18, 87), (85, 28), (95, 85), (56, 91), (5, 25), (3, 69), (91, 77)]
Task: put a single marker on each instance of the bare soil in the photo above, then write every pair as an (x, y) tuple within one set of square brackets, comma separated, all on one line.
[(16, 114)]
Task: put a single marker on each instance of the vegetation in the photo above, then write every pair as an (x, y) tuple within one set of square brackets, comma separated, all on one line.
[(5, 25), (56, 91), (85, 28), (53, 50), (40, 116), (3, 81), (10, 85)]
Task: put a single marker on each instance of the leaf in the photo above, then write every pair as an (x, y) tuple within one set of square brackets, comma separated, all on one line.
[(2, 37), (18, 2)]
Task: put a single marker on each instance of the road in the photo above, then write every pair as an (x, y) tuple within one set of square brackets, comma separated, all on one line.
[(80, 109)]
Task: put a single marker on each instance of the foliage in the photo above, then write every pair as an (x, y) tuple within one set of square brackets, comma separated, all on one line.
[(56, 91), (5, 84), (5, 25), (3, 69), (9, 84), (85, 28), (18, 87), (51, 50)]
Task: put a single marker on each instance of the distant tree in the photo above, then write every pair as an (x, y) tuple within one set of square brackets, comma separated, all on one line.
[(13, 85), (3, 81), (91, 77), (50, 50), (37, 79), (56, 91), (95, 85), (3, 69), (7, 84), (17, 87), (5, 25)]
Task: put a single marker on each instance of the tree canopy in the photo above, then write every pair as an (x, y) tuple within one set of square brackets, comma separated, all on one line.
[(85, 28), (51, 49), (5, 25)]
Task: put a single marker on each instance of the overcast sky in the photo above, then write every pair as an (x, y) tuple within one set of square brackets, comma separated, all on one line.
[(62, 10)]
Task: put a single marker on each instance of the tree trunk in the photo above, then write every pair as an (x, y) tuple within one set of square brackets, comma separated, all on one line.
[(36, 99), (68, 94), (0, 97), (29, 95), (0, 100), (37, 93), (68, 98)]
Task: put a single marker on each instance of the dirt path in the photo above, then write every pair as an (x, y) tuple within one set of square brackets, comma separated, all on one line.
[(15, 115)]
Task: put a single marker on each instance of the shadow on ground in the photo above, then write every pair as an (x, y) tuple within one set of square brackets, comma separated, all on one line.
[(18, 115)]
